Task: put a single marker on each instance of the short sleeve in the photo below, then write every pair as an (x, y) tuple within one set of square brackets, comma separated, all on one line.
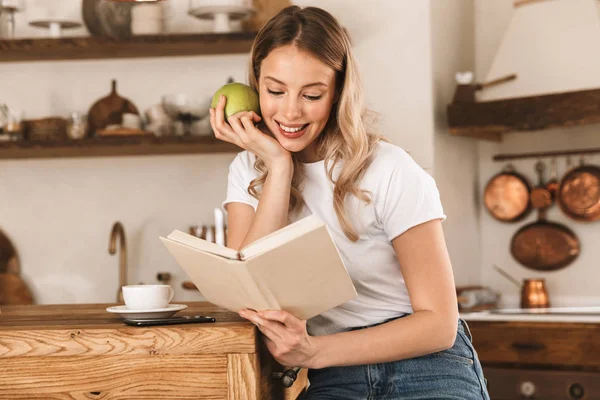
[(240, 176), (411, 198)]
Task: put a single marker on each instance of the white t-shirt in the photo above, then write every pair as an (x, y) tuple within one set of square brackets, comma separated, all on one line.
[(403, 195)]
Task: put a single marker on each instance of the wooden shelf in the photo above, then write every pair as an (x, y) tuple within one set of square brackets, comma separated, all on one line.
[(89, 47), (115, 146), (489, 120)]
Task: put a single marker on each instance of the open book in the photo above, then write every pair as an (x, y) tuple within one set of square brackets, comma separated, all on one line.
[(297, 269)]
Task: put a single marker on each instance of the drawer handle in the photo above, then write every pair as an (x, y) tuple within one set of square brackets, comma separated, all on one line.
[(528, 346)]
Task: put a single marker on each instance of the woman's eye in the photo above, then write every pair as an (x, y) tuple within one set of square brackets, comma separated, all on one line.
[(274, 93), (313, 98)]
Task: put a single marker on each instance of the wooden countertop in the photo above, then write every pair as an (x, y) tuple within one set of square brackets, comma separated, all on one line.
[(66, 315), (586, 315), (82, 351), (33, 329)]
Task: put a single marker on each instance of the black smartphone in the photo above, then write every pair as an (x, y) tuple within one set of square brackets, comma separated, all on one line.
[(196, 319)]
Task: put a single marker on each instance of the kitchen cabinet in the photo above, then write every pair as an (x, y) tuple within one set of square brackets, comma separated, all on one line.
[(83, 352), (539, 360)]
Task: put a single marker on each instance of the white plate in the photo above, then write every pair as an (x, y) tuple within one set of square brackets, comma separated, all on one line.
[(125, 312)]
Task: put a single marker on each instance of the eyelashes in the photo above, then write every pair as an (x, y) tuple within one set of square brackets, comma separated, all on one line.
[(311, 98)]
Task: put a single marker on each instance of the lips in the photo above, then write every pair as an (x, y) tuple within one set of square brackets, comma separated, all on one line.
[(292, 135)]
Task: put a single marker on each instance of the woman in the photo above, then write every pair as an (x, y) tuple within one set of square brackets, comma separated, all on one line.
[(310, 153)]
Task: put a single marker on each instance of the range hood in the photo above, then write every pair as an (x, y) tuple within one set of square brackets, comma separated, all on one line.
[(553, 49), (553, 46)]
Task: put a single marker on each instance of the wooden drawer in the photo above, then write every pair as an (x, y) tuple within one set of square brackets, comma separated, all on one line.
[(547, 344), (518, 384)]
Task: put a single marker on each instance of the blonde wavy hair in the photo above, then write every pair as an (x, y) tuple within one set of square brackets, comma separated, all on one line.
[(345, 139)]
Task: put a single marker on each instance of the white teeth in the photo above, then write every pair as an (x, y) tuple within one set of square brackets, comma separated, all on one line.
[(291, 130)]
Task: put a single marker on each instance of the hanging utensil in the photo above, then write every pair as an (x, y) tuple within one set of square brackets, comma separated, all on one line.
[(552, 184), (544, 245), (579, 193), (541, 198), (507, 195)]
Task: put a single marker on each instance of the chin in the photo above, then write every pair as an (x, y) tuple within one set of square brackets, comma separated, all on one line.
[(292, 147)]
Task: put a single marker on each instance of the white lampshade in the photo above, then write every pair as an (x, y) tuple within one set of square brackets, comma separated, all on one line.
[(552, 46)]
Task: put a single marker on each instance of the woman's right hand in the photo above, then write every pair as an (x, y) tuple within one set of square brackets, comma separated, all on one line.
[(241, 131)]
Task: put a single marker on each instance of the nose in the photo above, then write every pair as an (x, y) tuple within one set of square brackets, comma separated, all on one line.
[(291, 109)]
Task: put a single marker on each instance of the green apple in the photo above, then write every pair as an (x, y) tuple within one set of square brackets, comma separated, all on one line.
[(240, 97)]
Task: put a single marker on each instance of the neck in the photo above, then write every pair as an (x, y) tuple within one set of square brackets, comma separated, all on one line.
[(309, 154)]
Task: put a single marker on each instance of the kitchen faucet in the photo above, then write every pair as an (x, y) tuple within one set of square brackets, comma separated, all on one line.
[(118, 230)]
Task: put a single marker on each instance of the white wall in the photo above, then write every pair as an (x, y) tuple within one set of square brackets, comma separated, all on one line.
[(576, 284), (59, 212), (391, 40), (456, 161)]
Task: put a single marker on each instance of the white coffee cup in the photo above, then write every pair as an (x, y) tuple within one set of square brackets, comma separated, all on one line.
[(147, 297)]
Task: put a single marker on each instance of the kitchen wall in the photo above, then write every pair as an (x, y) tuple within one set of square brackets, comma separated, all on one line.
[(59, 212), (576, 284), (456, 161)]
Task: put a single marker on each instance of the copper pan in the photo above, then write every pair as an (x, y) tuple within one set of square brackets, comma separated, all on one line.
[(544, 245), (507, 195), (578, 194)]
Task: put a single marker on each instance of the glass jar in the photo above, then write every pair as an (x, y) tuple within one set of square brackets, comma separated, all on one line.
[(76, 125)]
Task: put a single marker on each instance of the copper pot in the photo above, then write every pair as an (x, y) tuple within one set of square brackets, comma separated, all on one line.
[(534, 294), (544, 245), (507, 195), (579, 193), (533, 291)]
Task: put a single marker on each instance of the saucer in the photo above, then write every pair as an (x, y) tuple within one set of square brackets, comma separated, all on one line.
[(125, 312)]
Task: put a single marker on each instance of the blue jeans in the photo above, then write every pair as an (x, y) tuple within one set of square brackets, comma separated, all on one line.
[(450, 374)]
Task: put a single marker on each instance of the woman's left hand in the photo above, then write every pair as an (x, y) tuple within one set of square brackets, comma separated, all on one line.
[(285, 336)]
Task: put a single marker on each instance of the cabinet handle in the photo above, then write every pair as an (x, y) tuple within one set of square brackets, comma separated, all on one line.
[(528, 346)]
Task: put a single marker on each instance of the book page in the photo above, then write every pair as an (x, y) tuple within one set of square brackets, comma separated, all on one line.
[(305, 276), (203, 245), (223, 282), (281, 236)]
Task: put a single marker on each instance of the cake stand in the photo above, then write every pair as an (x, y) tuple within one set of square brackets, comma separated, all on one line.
[(55, 25), (221, 15)]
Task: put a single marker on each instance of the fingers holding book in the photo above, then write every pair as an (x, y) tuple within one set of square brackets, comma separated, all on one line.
[(285, 336)]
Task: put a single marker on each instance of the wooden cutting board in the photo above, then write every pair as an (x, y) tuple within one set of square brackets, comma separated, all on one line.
[(14, 291), (109, 110)]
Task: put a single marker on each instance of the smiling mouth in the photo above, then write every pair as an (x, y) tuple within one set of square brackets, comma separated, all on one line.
[(291, 132)]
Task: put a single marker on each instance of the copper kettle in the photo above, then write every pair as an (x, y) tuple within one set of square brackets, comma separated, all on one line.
[(533, 291), (534, 294)]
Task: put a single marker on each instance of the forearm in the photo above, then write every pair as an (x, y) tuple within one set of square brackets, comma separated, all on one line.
[(421, 333), (272, 211)]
